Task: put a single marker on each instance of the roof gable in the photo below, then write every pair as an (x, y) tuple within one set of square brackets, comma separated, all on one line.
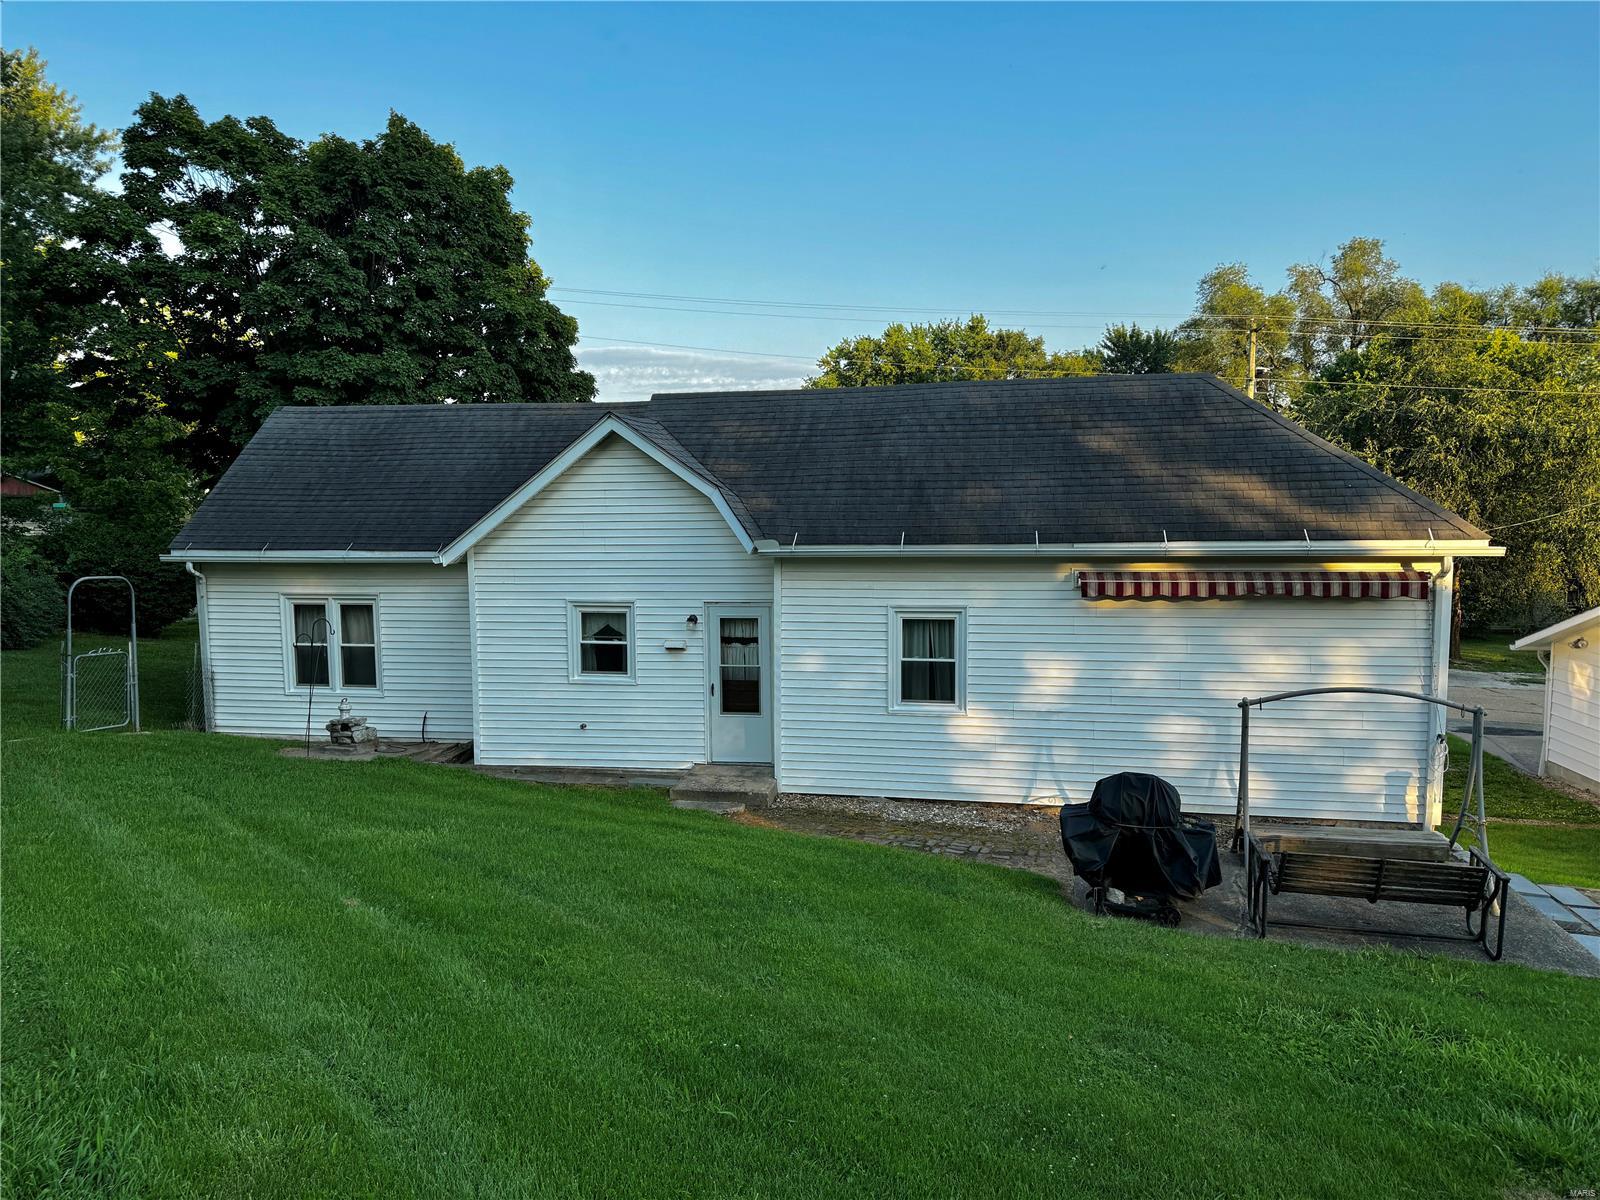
[(675, 460)]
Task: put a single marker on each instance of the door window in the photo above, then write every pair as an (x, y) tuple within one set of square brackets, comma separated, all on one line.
[(740, 689)]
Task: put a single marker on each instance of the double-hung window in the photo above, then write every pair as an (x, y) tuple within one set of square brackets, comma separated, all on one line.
[(602, 641), (926, 666), (333, 643)]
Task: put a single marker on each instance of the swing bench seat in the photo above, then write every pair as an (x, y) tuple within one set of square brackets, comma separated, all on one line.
[(1476, 886)]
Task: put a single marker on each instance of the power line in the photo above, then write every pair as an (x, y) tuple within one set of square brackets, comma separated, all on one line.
[(1042, 312), (594, 337), (1239, 325), (1547, 516), (1447, 387), (1007, 372)]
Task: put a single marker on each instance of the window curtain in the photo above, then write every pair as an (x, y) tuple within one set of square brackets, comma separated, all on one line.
[(603, 643), (928, 638), (356, 621), (310, 646), (605, 627), (741, 647)]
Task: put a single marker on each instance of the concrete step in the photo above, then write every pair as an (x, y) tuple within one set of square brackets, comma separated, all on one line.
[(718, 787)]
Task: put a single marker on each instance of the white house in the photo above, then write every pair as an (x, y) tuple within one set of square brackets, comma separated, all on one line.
[(1570, 651), (992, 592)]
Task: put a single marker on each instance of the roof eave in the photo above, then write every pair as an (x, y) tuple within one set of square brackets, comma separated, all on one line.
[(1355, 549), (192, 554), (1554, 633)]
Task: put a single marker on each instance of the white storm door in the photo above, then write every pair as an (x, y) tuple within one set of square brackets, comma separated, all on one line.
[(739, 657)]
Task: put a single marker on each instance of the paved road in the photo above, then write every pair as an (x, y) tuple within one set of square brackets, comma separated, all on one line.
[(1513, 715)]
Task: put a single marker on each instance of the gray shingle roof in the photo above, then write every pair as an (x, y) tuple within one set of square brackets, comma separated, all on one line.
[(1099, 459)]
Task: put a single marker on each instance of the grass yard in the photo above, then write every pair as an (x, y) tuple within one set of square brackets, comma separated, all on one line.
[(1495, 654), (228, 973), (1567, 851)]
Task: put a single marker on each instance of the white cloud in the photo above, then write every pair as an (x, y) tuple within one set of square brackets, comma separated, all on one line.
[(626, 373)]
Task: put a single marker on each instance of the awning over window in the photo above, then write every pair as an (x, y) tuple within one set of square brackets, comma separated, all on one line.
[(1227, 585)]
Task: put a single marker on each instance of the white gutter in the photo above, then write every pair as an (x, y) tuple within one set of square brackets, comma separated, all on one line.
[(1142, 551), (294, 556)]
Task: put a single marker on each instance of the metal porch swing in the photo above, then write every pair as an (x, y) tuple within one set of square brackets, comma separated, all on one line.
[(1412, 866)]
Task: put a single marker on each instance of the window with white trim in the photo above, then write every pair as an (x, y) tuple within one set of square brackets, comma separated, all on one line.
[(602, 641), (358, 645), (927, 660), (333, 642)]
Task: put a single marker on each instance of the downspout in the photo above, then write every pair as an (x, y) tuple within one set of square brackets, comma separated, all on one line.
[(1444, 586), (1547, 658), (201, 599)]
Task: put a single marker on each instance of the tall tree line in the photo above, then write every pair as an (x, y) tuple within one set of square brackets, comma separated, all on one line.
[(153, 320), (1488, 401)]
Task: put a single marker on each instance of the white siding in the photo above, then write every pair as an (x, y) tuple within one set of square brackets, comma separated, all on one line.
[(617, 527), (1572, 736), (422, 651), (1061, 691)]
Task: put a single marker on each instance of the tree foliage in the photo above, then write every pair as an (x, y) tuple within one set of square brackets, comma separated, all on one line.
[(1129, 350), (377, 272), (30, 598), (52, 284), (943, 351), (1496, 423)]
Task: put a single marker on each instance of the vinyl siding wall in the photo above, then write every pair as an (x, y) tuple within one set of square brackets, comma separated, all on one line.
[(1061, 691), (422, 649), (1572, 735), (616, 528)]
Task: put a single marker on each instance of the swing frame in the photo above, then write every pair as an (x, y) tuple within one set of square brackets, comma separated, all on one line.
[(1476, 885)]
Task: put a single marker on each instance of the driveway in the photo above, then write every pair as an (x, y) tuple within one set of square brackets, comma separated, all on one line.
[(1513, 720)]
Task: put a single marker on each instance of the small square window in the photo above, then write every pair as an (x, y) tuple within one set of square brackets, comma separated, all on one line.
[(604, 642), (927, 660)]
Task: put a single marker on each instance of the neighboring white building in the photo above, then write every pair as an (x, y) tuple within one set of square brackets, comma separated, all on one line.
[(980, 592), (1570, 651)]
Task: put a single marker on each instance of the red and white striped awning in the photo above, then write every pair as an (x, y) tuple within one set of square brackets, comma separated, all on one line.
[(1227, 585)]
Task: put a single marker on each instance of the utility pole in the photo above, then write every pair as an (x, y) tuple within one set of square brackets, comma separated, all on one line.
[(1250, 380)]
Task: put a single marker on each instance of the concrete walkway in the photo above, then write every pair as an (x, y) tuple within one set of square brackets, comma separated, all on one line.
[(1029, 838), (1513, 715)]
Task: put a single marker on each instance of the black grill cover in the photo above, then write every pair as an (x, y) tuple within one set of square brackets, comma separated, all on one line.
[(1133, 836)]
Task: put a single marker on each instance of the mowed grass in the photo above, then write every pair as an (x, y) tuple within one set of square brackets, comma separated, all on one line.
[(1495, 654), (1566, 852), (229, 973)]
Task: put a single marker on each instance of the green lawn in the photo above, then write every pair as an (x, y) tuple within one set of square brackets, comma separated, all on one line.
[(1495, 654), (1568, 852), (227, 973)]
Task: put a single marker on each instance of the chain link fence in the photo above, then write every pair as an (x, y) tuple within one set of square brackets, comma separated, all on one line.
[(96, 690), (197, 695)]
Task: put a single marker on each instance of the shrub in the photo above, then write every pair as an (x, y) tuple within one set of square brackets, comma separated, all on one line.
[(99, 544), (30, 598)]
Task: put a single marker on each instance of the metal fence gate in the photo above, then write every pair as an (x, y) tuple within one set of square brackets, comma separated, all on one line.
[(100, 687)]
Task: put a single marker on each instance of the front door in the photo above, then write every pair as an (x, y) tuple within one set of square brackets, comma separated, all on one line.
[(740, 661)]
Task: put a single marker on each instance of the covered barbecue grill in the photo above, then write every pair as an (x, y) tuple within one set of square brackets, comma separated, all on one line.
[(1132, 837)]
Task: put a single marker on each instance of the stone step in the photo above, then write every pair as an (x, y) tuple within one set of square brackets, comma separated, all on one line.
[(715, 804)]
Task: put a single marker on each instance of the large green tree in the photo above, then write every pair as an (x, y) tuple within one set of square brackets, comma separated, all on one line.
[(942, 351), (1490, 404), (269, 271), (52, 284)]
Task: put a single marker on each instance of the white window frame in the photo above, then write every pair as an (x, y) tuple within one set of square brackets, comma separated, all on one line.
[(330, 610), (575, 672), (897, 617)]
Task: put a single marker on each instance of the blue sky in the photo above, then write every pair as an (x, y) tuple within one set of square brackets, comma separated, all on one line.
[(1087, 160)]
